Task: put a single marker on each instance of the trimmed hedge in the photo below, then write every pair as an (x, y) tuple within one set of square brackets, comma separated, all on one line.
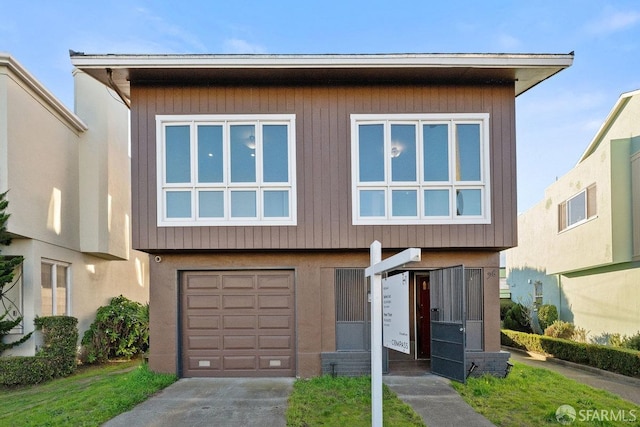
[(56, 358), (614, 359)]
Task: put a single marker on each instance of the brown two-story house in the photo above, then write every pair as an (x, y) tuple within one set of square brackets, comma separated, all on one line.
[(260, 181)]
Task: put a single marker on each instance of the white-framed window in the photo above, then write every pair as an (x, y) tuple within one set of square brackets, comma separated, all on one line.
[(420, 168), (226, 170), (55, 285), (577, 209)]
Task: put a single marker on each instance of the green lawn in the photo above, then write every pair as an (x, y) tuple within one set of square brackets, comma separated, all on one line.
[(344, 401), (530, 397), (90, 397)]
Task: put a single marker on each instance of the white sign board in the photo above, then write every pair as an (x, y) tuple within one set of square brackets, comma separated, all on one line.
[(395, 312)]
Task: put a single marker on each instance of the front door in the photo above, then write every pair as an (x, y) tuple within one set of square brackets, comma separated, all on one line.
[(423, 316)]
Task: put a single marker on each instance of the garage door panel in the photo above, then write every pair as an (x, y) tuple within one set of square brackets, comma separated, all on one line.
[(237, 323), (203, 301), (275, 362), (203, 322), (275, 282), (240, 362), (274, 301), (275, 322), (238, 281), (239, 342), (208, 342), (204, 363), (203, 281), (238, 301), (274, 342)]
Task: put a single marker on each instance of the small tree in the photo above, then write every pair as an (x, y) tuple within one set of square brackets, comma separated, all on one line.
[(8, 265)]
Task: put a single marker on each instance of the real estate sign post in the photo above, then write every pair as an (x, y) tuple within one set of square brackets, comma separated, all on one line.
[(374, 271)]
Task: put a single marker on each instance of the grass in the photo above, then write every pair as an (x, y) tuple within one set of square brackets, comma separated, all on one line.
[(530, 397), (89, 397), (344, 401)]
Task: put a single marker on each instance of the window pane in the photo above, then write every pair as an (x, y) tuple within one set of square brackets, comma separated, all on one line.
[(468, 152), (275, 153), (371, 153), (243, 153), (211, 204), (404, 202), (61, 290), (436, 202), (436, 152), (46, 292), (469, 202), (210, 154), (372, 203), (243, 204), (178, 204), (577, 208), (178, 154), (403, 153), (276, 204)]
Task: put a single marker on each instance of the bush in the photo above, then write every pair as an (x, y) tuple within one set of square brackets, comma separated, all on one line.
[(560, 329), (547, 314), (505, 305), (517, 318), (620, 360), (633, 342), (56, 358), (121, 330)]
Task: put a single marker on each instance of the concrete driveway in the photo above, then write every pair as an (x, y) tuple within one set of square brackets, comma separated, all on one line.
[(213, 402)]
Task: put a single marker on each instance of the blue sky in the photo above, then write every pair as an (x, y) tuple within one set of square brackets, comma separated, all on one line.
[(555, 120)]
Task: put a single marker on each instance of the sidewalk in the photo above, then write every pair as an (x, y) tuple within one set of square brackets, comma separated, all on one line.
[(627, 388), (433, 398)]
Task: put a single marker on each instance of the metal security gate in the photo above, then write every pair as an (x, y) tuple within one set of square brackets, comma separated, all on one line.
[(447, 294)]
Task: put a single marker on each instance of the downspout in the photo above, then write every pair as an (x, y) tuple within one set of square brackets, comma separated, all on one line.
[(116, 89)]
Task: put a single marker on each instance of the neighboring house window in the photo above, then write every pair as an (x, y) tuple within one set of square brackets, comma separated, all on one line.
[(226, 170), (537, 293), (420, 169), (55, 284), (577, 209)]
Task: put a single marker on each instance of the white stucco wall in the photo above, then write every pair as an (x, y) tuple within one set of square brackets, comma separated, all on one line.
[(69, 182)]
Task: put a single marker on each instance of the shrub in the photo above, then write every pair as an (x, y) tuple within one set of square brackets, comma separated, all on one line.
[(560, 329), (633, 342), (620, 360), (517, 318), (505, 305), (56, 358), (121, 330), (547, 314)]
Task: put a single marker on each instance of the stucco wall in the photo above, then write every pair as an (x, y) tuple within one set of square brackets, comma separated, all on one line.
[(314, 293), (94, 281)]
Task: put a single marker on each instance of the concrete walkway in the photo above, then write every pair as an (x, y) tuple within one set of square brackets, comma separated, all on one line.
[(220, 402), (626, 387), (433, 398)]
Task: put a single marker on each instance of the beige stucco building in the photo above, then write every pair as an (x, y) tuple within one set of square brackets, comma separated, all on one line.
[(579, 248), (68, 176)]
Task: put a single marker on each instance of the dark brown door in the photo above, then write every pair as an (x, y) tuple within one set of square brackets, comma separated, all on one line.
[(237, 323), (423, 306)]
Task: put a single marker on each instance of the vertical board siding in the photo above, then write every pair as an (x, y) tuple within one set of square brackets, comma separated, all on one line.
[(323, 164)]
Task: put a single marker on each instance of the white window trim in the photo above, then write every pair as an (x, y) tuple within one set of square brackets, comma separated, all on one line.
[(54, 285), (224, 119), (420, 185), (586, 209)]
